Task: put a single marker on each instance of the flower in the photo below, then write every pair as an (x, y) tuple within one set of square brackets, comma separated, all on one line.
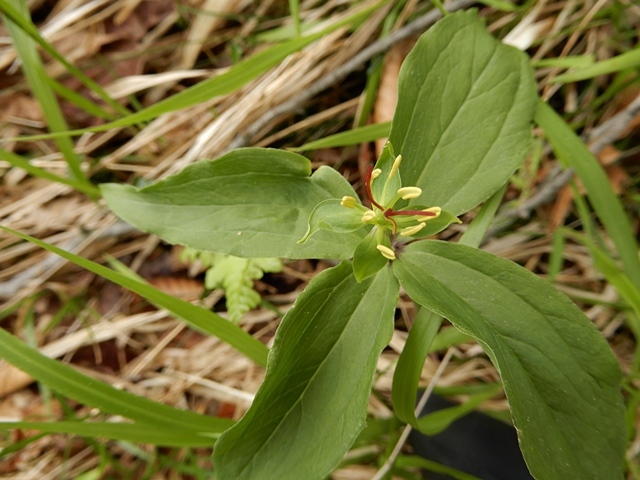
[(384, 217)]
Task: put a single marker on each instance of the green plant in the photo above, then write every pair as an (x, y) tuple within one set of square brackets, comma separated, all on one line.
[(462, 127), (235, 275)]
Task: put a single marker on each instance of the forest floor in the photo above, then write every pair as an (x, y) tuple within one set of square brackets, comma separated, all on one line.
[(143, 52)]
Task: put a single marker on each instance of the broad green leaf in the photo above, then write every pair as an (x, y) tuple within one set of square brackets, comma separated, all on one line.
[(330, 215), (313, 401), (130, 432), (560, 377), (424, 337), (252, 202), (92, 392), (463, 121), (200, 318), (570, 149), (367, 259)]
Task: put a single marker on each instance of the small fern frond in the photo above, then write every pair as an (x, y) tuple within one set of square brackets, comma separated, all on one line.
[(235, 276)]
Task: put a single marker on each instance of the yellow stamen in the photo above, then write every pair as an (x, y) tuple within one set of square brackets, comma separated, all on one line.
[(394, 168), (409, 192), (348, 201), (436, 210), (375, 173), (386, 252), (407, 232), (368, 216)]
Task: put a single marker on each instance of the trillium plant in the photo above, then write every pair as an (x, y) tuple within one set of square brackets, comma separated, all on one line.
[(461, 128)]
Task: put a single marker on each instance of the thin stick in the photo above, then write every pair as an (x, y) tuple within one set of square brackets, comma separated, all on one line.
[(407, 430)]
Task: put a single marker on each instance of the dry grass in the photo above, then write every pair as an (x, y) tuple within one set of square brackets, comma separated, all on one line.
[(146, 51)]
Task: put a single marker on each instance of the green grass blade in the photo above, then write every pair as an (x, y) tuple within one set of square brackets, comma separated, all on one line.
[(24, 22), (355, 136), (409, 368), (565, 62), (437, 422), (615, 277), (18, 161), (294, 9), (477, 229), (627, 60), (571, 150), (79, 100), (89, 391), (129, 432), (197, 317), (406, 461), (36, 78)]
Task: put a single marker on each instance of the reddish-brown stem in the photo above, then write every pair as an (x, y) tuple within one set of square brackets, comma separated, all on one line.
[(367, 188)]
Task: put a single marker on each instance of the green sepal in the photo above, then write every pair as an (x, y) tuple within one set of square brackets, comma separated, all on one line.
[(385, 163), (367, 259), (332, 216)]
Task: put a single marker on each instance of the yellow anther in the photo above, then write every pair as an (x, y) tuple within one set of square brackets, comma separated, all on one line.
[(408, 231), (436, 210), (394, 168), (348, 201), (375, 173), (409, 192), (386, 252), (368, 216)]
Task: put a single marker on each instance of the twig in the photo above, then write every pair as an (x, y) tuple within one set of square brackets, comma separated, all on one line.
[(407, 429), (18, 286), (343, 71)]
